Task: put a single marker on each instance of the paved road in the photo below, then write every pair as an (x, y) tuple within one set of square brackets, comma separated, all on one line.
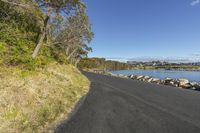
[(116, 105)]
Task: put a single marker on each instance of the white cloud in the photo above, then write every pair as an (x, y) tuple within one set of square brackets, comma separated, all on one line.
[(195, 2)]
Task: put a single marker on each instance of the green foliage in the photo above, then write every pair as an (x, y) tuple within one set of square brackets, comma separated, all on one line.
[(14, 45), (101, 63), (21, 28)]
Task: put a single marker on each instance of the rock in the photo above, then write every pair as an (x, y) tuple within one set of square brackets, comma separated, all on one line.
[(146, 78), (150, 80), (131, 76), (155, 80), (195, 85), (125, 76), (162, 82), (174, 83), (184, 83), (186, 86), (139, 77), (167, 81), (120, 75)]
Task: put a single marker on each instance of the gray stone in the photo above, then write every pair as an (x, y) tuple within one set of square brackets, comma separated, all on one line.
[(131, 76), (146, 78), (186, 86), (155, 80), (150, 80), (167, 81), (184, 83), (139, 77), (195, 86), (134, 77), (174, 83)]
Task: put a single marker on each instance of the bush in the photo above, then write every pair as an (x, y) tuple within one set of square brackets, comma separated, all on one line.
[(16, 48)]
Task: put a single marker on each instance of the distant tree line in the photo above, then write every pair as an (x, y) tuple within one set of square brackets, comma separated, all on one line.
[(103, 64), (35, 31)]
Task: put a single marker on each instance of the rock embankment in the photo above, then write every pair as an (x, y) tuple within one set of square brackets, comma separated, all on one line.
[(181, 83)]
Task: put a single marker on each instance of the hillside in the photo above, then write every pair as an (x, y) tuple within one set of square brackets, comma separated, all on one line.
[(41, 44), (31, 100)]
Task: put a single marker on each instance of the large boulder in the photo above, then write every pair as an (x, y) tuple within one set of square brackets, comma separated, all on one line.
[(146, 78), (120, 75), (168, 81), (150, 80), (155, 80), (139, 77), (186, 86), (184, 83), (125, 76), (195, 85), (134, 77), (174, 83), (131, 76)]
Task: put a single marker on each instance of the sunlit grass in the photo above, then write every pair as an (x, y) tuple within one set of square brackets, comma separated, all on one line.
[(31, 100)]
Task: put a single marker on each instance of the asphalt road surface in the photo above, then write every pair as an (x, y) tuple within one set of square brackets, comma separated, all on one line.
[(116, 105)]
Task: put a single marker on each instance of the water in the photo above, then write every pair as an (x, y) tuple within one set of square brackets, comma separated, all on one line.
[(162, 74)]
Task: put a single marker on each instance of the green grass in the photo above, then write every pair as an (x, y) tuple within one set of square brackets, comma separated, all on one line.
[(32, 100)]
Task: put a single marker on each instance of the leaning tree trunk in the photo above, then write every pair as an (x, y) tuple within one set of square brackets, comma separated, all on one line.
[(77, 61), (72, 53), (42, 37), (67, 50)]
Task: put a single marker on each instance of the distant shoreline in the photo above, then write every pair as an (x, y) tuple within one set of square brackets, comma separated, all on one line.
[(171, 69)]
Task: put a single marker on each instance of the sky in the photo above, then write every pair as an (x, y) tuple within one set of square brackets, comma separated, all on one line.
[(145, 29)]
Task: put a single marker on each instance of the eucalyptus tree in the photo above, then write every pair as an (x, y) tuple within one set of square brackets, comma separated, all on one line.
[(63, 24), (52, 8), (76, 35)]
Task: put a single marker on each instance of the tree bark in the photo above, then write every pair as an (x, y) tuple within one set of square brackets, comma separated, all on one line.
[(72, 53), (77, 61), (42, 37), (67, 50)]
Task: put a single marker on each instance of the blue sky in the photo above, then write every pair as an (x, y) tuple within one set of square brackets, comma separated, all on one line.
[(145, 29)]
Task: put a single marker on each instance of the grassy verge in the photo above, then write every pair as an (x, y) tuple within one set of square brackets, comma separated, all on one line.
[(31, 100)]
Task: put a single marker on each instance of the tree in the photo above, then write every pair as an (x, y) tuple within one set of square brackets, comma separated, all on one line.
[(52, 7), (63, 25), (75, 35), (18, 3)]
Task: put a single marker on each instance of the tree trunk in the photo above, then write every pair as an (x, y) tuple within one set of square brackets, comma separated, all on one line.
[(42, 37), (67, 50), (72, 53), (77, 61)]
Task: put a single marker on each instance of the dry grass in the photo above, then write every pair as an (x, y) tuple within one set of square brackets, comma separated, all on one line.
[(29, 101)]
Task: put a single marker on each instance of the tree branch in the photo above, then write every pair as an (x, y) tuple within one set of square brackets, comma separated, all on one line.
[(16, 4)]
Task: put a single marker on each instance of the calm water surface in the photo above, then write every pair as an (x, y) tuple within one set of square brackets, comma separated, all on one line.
[(162, 74)]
